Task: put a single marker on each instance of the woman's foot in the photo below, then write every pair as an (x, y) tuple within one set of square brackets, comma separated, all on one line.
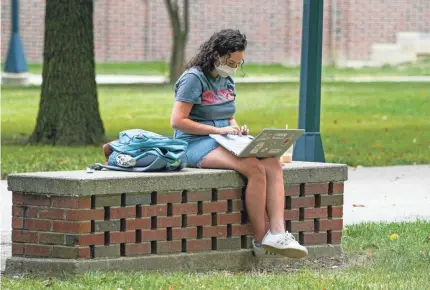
[(260, 252), (283, 244)]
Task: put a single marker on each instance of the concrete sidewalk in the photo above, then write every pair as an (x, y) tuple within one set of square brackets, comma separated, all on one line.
[(398, 193), (372, 194), (36, 80)]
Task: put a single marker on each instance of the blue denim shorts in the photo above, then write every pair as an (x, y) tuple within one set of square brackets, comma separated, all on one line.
[(200, 145)]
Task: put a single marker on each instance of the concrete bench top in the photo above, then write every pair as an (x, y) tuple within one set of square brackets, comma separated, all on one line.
[(81, 183)]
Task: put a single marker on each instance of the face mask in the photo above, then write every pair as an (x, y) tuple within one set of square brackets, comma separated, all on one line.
[(225, 71)]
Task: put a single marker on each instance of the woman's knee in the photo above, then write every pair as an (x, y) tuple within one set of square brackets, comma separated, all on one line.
[(252, 167), (272, 164)]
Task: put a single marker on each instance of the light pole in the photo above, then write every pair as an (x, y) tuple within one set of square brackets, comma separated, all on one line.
[(15, 68), (309, 147)]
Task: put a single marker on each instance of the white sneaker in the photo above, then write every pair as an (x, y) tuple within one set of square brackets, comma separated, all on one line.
[(284, 244), (260, 252)]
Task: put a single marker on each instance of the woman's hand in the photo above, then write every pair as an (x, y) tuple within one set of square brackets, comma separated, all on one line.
[(234, 130), (244, 130)]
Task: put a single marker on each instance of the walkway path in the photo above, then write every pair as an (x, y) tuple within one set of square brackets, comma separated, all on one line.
[(36, 80)]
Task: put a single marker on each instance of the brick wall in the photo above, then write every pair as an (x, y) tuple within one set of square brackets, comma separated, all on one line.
[(364, 22), (138, 224), (139, 30)]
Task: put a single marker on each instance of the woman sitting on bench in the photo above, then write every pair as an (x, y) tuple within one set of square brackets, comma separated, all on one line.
[(205, 104)]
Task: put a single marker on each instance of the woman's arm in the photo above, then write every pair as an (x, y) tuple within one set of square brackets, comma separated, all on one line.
[(233, 122), (180, 120)]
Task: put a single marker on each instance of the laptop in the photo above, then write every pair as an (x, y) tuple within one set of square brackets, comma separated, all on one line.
[(268, 143)]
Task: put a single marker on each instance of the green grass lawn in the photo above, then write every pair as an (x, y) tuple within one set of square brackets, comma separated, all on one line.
[(372, 261), (161, 68), (361, 124)]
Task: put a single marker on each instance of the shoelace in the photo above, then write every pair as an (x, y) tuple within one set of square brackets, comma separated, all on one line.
[(286, 238)]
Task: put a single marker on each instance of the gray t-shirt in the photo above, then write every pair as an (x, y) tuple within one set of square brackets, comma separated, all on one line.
[(213, 97)]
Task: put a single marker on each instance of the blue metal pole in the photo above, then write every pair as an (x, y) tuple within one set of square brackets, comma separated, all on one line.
[(309, 147), (15, 60)]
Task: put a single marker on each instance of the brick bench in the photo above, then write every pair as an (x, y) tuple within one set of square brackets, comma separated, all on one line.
[(194, 219)]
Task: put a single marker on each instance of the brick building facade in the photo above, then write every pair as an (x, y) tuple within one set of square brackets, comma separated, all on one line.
[(139, 30)]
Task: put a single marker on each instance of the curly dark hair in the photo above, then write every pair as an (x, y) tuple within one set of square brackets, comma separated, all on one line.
[(219, 44)]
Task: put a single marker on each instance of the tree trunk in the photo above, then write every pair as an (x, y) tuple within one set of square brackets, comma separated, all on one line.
[(177, 58), (180, 34), (68, 109)]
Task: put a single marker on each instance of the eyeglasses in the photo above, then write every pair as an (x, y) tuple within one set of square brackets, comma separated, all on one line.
[(233, 64)]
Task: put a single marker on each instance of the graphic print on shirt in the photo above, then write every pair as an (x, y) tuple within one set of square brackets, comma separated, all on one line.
[(210, 98)]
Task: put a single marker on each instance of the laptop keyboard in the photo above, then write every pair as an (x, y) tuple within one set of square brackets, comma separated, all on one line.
[(234, 143), (237, 143)]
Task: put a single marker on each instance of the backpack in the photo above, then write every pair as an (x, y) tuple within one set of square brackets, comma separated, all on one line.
[(138, 150)]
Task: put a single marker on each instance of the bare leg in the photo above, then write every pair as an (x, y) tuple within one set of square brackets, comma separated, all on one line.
[(275, 194), (254, 171)]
